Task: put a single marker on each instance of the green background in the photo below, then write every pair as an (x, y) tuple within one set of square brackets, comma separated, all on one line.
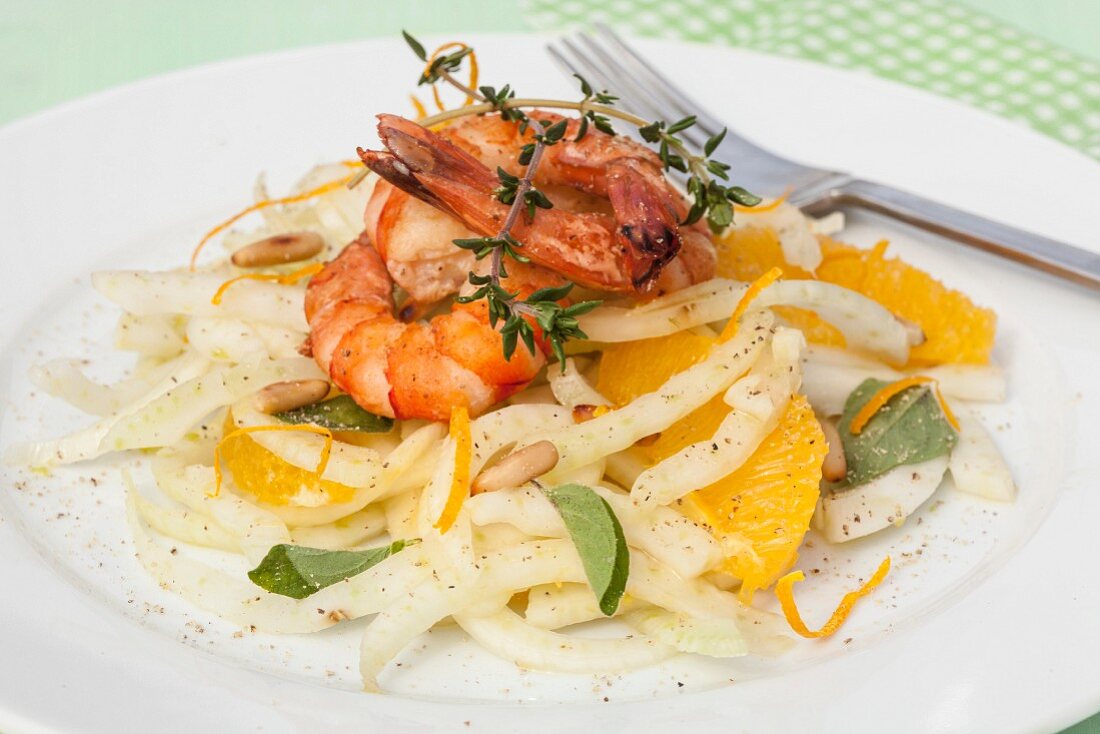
[(55, 50)]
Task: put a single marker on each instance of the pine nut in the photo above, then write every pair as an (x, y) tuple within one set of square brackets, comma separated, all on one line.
[(835, 466), (518, 467), (280, 397), (585, 412), (279, 249)]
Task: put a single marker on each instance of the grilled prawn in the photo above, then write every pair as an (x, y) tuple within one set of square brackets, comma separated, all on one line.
[(614, 226), (418, 369)]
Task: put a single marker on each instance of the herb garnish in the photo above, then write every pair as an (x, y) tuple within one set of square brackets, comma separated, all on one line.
[(599, 540), (297, 571), (340, 413), (909, 429), (712, 199)]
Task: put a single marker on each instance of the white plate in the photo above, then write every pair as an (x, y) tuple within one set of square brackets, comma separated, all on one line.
[(988, 621)]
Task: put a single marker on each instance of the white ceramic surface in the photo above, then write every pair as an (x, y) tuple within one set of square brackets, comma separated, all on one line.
[(987, 623)]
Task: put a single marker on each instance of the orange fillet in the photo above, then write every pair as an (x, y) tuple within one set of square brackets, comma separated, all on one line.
[(760, 512), (956, 329)]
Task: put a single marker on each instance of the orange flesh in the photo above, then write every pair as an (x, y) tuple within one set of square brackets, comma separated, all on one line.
[(761, 511), (258, 471), (957, 330), (784, 592)]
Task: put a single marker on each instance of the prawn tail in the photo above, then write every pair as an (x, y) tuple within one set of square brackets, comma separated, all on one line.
[(647, 219), (425, 152), (393, 171), (425, 165)]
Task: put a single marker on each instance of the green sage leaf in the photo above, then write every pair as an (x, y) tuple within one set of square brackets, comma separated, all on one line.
[(340, 413), (909, 429), (297, 571), (599, 540)]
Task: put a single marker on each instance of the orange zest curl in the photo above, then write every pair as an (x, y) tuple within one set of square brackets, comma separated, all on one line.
[(285, 279), (421, 110), (460, 482), (472, 83), (438, 99), (326, 450), (783, 591), (749, 296), (264, 204), (883, 396)]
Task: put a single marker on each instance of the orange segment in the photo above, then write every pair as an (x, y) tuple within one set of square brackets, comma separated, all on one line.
[(267, 477), (762, 511), (747, 254), (957, 330), (630, 369), (697, 426)]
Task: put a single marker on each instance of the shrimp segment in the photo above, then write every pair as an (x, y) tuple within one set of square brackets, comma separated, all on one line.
[(416, 240), (410, 370), (621, 254)]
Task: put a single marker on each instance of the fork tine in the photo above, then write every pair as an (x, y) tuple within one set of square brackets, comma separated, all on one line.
[(637, 95), (659, 83), (576, 62), (614, 64), (763, 171), (587, 64), (599, 73)]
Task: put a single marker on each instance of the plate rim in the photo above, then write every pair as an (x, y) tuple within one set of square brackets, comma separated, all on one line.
[(136, 86)]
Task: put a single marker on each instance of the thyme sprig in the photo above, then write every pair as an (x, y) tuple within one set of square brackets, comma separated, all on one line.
[(712, 198), (558, 323)]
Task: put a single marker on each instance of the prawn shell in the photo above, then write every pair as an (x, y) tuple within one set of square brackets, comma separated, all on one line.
[(359, 365), (358, 274), (462, 336), (334, 325), (426, 383), (623, 253)]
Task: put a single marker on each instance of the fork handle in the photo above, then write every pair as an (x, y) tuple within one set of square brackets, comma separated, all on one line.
[(1057, 258)]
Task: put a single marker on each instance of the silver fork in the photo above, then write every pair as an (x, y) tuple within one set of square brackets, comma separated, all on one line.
[(609, 62)]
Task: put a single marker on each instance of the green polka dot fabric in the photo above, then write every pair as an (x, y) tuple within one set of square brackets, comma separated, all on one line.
[(932, 44)]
